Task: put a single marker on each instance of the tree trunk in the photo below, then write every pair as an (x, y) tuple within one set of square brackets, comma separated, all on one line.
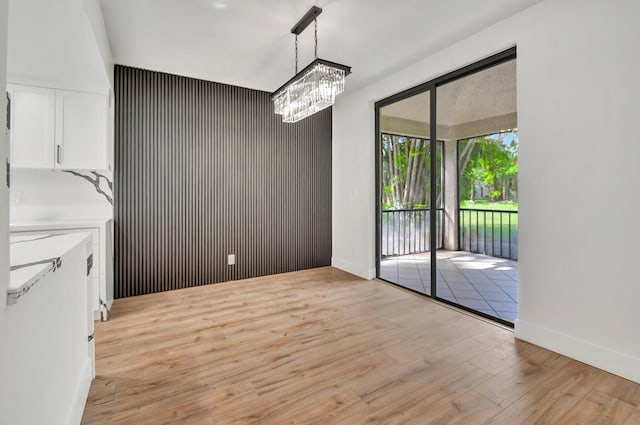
[(394, 173), (420, 179), (465, 156), (418, 188), (407, 182), (417, 161)]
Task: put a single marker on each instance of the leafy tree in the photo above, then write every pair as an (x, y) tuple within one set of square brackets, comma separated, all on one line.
[(491, 161)]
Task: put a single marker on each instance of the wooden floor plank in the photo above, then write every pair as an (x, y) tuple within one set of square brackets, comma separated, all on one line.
[(468, 408), (634, 419), (620, 388), (598, 408), (322, 347), (553, 398)]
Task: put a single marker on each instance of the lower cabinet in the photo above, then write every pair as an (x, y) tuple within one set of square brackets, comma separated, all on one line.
[(101, 276)]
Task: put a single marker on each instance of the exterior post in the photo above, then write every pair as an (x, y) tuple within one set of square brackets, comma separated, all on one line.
[(451, 214)]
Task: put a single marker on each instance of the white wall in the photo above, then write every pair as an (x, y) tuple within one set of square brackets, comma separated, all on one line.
[(93, 10), (54, 44), (4, 209), (4, 152), (577, 113)]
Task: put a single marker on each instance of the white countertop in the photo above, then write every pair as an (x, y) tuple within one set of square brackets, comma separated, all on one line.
[(35, 256), (67, 223)]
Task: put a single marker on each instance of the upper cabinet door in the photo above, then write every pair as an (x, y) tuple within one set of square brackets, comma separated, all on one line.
[(81, 130), (32, 126)]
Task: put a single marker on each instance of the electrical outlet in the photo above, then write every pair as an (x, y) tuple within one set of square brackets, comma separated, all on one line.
[(231, 259), (15, 196)]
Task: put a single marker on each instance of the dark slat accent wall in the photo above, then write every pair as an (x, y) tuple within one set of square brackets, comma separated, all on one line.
[(203, 170)]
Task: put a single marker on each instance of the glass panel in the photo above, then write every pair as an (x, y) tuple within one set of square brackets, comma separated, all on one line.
[(477, 123), (406, 184)]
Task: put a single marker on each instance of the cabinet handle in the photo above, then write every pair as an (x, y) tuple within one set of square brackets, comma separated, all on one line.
[(58, 147)]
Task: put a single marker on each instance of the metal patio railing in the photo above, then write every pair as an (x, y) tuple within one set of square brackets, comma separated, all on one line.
[(489, 232), (406, 231)]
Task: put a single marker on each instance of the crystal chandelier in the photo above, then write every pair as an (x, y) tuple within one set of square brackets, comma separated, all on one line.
[(315, 87)]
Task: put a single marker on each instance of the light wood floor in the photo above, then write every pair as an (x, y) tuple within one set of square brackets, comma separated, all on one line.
[(324, 347)]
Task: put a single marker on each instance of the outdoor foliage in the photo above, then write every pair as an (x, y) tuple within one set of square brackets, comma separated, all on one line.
[(406, 169), (489, 163)]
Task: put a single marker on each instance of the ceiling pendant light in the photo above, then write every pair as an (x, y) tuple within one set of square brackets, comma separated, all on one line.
[(315, 87)]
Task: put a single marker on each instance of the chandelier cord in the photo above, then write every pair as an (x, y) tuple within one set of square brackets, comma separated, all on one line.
[(296, 53), (315, 26)]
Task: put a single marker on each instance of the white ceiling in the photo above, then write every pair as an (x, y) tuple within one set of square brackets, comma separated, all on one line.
[(248, 43), (486, 94)]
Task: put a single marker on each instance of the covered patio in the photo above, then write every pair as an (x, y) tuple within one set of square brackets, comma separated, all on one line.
[(481, 282)]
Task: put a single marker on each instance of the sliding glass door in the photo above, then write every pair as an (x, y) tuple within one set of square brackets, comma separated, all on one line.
[(406, 182), (447, 188)]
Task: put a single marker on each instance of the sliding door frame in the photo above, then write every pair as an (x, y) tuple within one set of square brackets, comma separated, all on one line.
[(431, 86)]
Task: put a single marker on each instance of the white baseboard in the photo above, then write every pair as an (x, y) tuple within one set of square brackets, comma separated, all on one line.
[(80, 399), (357, 269), (604, 358)]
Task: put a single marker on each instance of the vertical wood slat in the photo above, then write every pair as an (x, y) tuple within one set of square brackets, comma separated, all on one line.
[(203, 170)]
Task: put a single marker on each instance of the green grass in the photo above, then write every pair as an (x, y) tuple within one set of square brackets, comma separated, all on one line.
[(491, 220), (488, 205), (494, 223)]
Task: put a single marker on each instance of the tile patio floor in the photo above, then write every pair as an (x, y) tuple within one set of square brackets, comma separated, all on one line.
[(483, 283)]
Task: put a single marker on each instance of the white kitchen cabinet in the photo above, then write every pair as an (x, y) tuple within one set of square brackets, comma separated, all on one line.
[(81, 130), (58, 129), (48, 357), (32, 131)]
